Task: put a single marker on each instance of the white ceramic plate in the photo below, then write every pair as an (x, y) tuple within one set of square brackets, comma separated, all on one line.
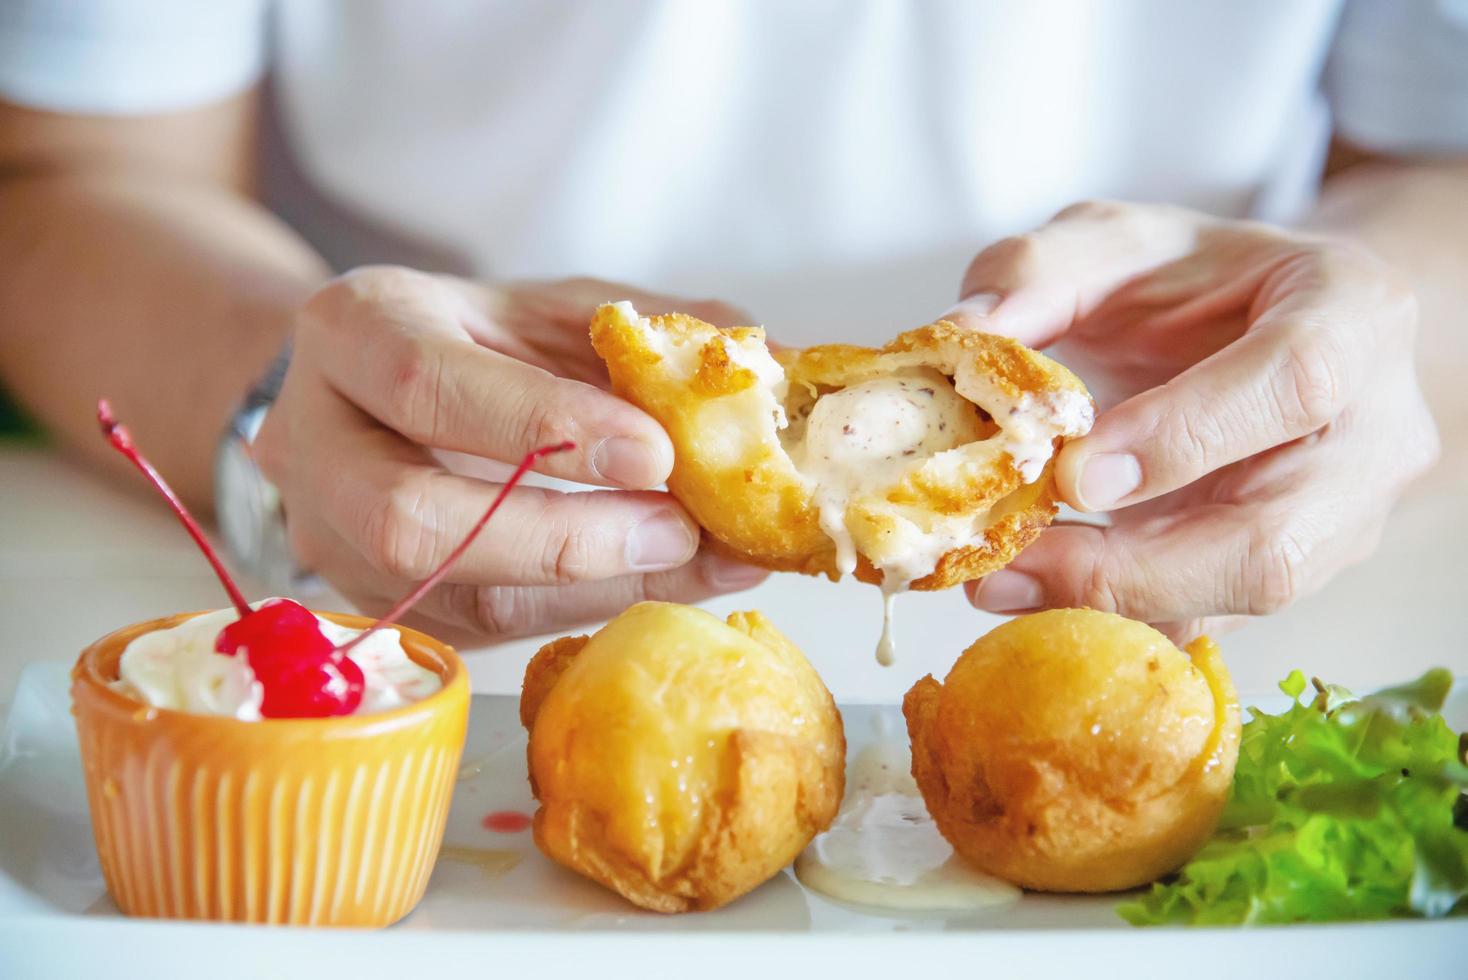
[(495, 904)]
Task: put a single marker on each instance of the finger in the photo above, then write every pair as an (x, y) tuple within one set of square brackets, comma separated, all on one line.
[(507, 612), (544, 322), (1183, 632), (1224, 559), (576, 300), (404, 515), (591, 293), (1255, 536), (1301, 362), (1033, 286), (398, 351)]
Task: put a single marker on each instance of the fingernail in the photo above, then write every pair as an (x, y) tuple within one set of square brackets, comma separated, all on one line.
[(625, 461), (729, 575), (979, 304), (1106, 478), (1009, 591), (662, 541)]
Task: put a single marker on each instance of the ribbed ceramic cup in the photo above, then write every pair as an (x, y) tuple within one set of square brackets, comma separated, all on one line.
[(304, 821)]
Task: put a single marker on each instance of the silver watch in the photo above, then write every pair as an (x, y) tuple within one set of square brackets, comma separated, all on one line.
[(246, 505)]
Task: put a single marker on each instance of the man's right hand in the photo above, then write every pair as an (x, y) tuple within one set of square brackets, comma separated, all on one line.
[(390, 365)]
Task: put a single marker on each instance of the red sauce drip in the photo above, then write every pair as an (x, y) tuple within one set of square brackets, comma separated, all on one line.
[(506, 821)]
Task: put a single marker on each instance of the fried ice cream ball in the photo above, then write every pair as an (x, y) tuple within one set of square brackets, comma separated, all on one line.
[(679, 760), (1076, 751), (919, 465)]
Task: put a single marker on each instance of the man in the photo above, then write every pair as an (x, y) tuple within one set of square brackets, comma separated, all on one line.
[(830, 165)]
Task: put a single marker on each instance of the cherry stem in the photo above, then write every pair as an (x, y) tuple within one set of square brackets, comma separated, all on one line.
[(411, 599), (122, 441)]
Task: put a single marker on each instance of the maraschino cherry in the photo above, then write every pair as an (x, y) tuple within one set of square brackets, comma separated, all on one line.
[(302, 674)]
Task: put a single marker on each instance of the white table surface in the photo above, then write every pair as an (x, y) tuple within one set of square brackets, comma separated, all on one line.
[(79, 558)]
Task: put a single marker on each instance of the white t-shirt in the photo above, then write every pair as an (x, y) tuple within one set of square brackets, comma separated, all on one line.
[(829, 164), (826, 163)]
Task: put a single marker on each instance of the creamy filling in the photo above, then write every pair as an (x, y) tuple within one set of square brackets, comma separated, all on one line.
[(866, 438), (885, 851), (681, 355), (1029, 424), (678, 353), (179, 669)]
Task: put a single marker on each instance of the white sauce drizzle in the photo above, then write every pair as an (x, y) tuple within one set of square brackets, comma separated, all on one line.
[(887, 645), (884, 851)]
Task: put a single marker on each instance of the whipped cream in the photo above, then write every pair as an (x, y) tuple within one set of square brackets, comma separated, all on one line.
[(179, 669)]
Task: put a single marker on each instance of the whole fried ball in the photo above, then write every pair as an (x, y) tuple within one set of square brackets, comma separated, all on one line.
[(1076, 751), (680, 760)]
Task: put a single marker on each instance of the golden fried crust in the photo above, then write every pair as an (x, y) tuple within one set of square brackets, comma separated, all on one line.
[(1076, 751), (541, 674), (733, 475), (678, 760), (1012, 530)]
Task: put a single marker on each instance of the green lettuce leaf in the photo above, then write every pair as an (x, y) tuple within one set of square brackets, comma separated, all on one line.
[(1342, 808)]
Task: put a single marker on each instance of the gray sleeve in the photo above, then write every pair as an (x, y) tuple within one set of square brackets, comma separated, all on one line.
[(1397, 78)]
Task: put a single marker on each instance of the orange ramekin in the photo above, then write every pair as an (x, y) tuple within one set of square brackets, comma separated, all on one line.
[(300, 821)]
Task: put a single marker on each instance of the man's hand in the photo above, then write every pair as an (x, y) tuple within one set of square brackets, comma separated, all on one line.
[(1261, 412), (391, 365)]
